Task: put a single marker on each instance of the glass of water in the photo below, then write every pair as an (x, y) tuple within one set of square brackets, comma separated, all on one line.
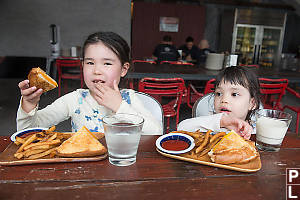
[(271, 127), (122, 134)]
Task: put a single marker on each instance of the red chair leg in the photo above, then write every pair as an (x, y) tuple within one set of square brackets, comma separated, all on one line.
[(65, 87), (168, 125), (59, 87), (297, 123)]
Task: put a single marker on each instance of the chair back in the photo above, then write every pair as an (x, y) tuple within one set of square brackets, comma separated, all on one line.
[(210, 86), (167, 91), (144, 61), (152, 105), (69, 68), (272, 91), (176, 63), (204, 106)]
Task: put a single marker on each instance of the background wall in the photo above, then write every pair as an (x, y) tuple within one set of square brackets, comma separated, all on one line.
[(24, 24), (145, 25)]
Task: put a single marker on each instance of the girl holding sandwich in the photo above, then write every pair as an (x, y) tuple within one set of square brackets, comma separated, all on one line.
[(105, 61), (236, 97)]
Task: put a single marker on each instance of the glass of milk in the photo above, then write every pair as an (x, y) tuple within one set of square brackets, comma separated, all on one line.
[(271, 127), (122, 134)]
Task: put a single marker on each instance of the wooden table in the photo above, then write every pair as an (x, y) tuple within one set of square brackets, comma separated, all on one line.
[(141, 70), (153, 176)]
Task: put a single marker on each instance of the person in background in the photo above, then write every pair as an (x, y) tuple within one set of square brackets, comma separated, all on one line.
[(165, 51), (236, 97), (204, 50), (105, 61), (189, 50)]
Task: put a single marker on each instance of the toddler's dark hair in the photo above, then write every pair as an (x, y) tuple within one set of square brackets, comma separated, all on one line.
[(245, 77), (111, 40)]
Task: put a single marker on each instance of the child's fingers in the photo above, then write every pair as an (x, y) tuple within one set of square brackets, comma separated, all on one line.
[(28, 91), (32, 93), (24, 84)]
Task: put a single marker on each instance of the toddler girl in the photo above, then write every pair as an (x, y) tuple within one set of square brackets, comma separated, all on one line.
[(236, 97)]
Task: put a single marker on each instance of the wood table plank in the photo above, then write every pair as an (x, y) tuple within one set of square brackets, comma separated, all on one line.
[(250, 187)]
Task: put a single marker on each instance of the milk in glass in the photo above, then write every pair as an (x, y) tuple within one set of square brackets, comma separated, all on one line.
[(270, 130)]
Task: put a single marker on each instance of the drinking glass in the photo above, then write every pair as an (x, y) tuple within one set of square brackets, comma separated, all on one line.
[(122, 134), (271, 127)]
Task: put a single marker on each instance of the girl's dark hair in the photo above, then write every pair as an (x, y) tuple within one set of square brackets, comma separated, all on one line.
[(111, 40), (245, 77)]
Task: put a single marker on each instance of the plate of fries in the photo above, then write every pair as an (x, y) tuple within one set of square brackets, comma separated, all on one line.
[(38, 145), (204, 142)]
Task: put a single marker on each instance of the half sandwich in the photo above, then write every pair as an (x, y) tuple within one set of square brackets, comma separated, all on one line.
[(38, 78), (232, 148), (82, 144)]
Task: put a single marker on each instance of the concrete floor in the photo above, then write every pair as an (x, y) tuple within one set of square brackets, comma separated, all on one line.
[(9, 102)]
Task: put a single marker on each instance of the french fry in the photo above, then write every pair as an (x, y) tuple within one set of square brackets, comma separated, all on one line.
[(32, 152), (43, 146), (52, 137), (18, 155), (42, 143), (40, 155), (220, 134), (51, 129), (205, 142), (198, 141), (19, 141), (210, 146), (30, 140), (195, 134), (52, 154)]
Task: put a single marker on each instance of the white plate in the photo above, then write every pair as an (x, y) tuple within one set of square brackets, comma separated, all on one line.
[(175, 136), (22, 132)]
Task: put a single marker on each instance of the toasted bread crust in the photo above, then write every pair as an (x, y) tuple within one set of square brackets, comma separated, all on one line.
[(35, 80), (82, 154), (233, 150), (81, 144)]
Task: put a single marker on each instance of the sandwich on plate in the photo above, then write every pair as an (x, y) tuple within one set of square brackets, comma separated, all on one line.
[(233, 149), (38, 78), (82, 144)]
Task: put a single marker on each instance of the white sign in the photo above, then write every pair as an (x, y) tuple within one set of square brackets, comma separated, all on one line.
[(168, 24)]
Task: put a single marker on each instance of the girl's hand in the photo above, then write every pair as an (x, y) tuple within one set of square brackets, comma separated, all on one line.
[(31, 96), (108, 97), (238, 125)]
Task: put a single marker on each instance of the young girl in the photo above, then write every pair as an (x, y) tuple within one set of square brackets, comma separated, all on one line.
[(236, 98), (105, 61)]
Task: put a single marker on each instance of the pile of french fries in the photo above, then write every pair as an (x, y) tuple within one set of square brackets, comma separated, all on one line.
[(204, 142), (39, 145)]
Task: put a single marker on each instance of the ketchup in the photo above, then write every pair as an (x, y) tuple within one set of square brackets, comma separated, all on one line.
[(175, 145)]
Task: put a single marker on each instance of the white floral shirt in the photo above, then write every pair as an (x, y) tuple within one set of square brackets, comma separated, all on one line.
[(85, 111)]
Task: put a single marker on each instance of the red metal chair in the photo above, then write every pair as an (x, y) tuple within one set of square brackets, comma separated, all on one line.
[(294, 108), (177, 63), (169, 93), (193, 94), (210, 86), (144, 61), (272, 91), (68, 68)]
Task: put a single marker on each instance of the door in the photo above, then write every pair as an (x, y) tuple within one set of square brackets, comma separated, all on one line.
[(271, 46), (245, 39)]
